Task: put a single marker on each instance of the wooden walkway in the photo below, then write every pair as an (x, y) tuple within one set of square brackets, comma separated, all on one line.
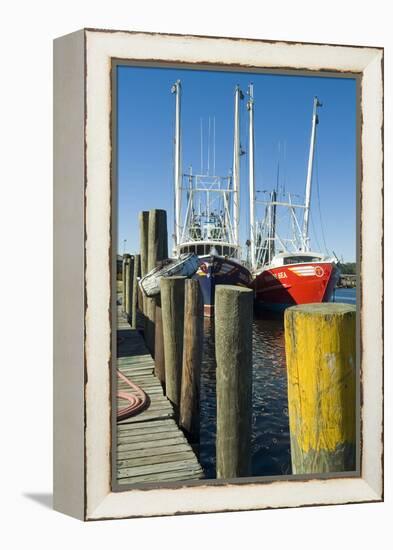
[(150, 445)]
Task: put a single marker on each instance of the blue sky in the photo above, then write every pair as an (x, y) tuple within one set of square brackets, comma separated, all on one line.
[(283, 108)]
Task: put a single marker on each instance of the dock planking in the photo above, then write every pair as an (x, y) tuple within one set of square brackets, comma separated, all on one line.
[(150, 446)]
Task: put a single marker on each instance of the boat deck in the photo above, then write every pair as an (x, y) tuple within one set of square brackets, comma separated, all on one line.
[(150, 446)]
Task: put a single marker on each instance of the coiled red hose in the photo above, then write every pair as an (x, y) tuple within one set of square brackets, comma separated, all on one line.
[(138, 401)]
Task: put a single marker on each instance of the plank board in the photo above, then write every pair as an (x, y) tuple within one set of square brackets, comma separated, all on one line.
[(150, 445)]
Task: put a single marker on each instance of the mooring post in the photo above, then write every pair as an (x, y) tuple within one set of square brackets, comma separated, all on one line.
[(233, 343), (143, 240), (159, 355), (172, 303), (139, 291), (157, 238), (144, 250), (126, 257), (129, 285), (134, 303), (157, 251), (320, 345), (192, 359)]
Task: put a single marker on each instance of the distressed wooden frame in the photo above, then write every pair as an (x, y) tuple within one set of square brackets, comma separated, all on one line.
[(82, 249)]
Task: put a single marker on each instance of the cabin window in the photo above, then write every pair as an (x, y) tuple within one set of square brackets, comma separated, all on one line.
[(219, 250), (200, 250), (300, 260)]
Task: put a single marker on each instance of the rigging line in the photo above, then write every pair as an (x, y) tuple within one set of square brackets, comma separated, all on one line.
[(208, 149), (173, 179), (285, 166), (214, 146), (315, 232), (201, 128), (319, 200)]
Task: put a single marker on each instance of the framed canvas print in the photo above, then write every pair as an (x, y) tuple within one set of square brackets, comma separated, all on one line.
[(218, 274)]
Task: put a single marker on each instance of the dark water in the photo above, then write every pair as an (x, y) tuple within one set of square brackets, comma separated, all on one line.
[(346, 295), (270, 434)]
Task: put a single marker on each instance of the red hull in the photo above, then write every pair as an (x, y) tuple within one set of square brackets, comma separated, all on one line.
[(292, 284)]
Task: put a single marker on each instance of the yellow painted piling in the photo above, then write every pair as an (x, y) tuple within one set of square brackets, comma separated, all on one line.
[(320, 345)]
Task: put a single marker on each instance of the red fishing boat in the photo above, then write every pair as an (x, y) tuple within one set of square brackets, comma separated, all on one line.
[(286, 272), (295, 279)]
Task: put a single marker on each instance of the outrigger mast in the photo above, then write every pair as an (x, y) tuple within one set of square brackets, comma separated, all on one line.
[(176, 89), (306, 238), (236, 166), (251, 175)]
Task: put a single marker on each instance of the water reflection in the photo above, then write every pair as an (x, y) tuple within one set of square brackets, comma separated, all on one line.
[(270, 435)]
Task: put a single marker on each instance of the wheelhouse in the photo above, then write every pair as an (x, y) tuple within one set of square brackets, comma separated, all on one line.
[(206, 248)]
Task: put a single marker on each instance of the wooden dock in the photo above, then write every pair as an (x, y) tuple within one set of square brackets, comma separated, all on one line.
[(150, 445)]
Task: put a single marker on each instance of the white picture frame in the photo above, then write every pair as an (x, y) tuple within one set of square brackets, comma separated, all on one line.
[(83, 335)]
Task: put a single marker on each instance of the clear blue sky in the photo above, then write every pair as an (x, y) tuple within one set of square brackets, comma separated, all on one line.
[(283, 108)]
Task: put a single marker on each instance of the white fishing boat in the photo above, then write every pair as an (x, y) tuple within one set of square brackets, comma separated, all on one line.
[(185, 265), (207, 213)]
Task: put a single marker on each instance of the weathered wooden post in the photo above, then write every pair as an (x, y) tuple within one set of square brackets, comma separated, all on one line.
[(159, 355), (139, 291), (129, 285), (126, 257), (192, 359), (157, 238), (157, 251), (233, 342), (137, 266), (172, 303), (143, 244), (143, 240), (320, 344)]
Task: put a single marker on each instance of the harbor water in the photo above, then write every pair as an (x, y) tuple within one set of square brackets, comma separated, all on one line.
[(270, 433)]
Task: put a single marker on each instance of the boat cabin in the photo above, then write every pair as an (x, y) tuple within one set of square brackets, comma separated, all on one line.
[(206, 248), (288, 258)]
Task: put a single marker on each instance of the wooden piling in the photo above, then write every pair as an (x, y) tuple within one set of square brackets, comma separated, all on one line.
[(126, 257), (320, 344), (192, 359), (233, 344), (129, 290), (157, 251), (157, 238), (135, 288), (144, 250), (143, 240), (172, 303), (159, 356)]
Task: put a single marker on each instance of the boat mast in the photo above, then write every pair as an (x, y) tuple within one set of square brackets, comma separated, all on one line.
[(305, 237), (236, 167), (251, 176), (176, 89)]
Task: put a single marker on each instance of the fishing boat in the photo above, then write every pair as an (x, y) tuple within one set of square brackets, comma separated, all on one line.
[(286, 271), (206, 220), (186, 265)]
